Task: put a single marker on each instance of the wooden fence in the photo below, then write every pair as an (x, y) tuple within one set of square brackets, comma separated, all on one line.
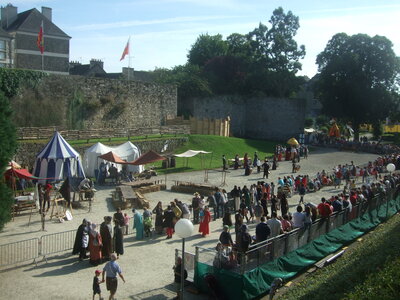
[(38, 133), (219, 127)]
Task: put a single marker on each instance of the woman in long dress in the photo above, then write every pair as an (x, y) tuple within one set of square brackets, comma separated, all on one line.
[(118, 239), (158, 211), (138, 224), (204, 227), (169, 221), (95, 244)]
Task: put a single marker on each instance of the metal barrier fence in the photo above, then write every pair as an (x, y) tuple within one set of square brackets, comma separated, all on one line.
[(21, 251), (57, 242), (189, 262)]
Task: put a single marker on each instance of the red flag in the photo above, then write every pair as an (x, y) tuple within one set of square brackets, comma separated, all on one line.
[(126, 51), (40, 39)]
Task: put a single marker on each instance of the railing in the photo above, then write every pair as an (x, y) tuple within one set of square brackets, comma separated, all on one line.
[(46, 245), (21, 251), (33, 133), (189, 262), (57, 242)]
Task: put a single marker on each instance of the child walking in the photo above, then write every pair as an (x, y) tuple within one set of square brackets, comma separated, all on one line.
[(96, 284)]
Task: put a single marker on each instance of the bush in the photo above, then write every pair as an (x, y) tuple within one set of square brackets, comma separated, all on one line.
[(8, 144), (308, 122)]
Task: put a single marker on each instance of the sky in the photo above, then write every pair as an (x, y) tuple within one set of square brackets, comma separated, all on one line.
[(162, 31)]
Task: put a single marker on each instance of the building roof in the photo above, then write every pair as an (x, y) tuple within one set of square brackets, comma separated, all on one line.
[(31, 20), (4, 34), (87, 70)]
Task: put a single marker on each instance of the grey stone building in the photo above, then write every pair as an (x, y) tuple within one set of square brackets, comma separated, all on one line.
[(5, 49), (23, 29)]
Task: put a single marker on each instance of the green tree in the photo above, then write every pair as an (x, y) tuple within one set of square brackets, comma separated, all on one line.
[(276, 47), (309, 122), (275, 55), (358, 78), (8, 146), (205, 48), (188, 78)]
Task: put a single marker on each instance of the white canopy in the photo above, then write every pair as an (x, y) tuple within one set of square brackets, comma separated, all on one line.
[(191, 153), (126, 151)]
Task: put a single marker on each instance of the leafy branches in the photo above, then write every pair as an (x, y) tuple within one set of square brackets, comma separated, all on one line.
[(358, 79), (8, 146), (264, 61), (12, 79)]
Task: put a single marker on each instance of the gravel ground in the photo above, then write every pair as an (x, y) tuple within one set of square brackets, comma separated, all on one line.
[(147, 264)]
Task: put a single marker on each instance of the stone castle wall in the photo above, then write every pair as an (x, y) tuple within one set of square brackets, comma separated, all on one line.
[(258, 118), (108, 103)]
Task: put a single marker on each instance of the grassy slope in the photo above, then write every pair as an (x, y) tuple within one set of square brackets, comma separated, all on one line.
[(218, 146), (340, 279)]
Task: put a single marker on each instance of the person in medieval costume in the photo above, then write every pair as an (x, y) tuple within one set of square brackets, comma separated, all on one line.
[(138, 224), (106, 236), (78, 246), (95, 245), (118, 239)]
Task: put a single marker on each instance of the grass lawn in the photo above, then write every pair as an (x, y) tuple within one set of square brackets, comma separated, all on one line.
[(368, 270), (218, 145)]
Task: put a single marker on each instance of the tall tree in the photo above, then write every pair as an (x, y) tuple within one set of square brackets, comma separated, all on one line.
[(8, 145), (205, 48), (276, 47), (276, 55), (358, 78)]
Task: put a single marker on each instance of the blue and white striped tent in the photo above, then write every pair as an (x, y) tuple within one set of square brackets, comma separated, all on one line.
[(58, 160)]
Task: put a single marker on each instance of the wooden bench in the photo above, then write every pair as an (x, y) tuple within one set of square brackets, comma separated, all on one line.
[(22, 205)]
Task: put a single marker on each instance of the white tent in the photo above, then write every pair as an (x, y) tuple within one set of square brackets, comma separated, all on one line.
[(126, 151), (58, 160), (191, 153)]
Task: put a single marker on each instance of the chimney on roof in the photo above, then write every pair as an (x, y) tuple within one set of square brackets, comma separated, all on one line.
[(47, 12), (74, 63), (8, 15), (94, 62)]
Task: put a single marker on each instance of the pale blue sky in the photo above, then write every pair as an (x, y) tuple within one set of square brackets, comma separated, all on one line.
[(162, 31)]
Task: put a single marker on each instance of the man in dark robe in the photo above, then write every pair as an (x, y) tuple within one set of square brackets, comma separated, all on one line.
[(119, 216), (106, 236), (118, 239), (65, 191), (78, 238)]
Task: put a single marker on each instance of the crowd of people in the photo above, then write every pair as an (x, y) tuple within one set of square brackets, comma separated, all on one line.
[(264, 203), (262, 196)]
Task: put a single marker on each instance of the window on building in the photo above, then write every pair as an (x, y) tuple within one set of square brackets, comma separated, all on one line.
[(2, 49)]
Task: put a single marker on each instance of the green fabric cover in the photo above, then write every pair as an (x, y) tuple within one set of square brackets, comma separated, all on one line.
[(257, 282)]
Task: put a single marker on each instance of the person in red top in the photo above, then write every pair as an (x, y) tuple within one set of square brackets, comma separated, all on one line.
[(324, 209), (304, 181), (47, 191), (353, 198), (204, 227)]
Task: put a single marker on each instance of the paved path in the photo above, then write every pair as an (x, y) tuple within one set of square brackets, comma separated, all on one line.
[(147, 264)]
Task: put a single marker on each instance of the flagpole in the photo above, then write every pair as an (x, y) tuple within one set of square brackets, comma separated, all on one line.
[(129, 57), (42, 52)]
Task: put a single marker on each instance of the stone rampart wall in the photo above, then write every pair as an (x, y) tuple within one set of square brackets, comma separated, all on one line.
[(258, 118)]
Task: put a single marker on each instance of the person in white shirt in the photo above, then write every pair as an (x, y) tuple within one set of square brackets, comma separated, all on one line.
[(298, 218), (275, 225)]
